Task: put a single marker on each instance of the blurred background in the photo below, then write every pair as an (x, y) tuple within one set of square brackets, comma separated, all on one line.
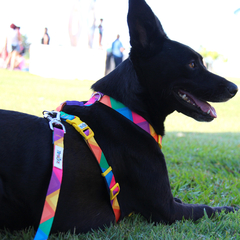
[(75, 50)]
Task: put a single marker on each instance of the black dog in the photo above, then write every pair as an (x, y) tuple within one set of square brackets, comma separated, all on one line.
[(159, 77)]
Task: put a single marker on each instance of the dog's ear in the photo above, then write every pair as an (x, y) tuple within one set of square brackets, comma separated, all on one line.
[(145, 29)]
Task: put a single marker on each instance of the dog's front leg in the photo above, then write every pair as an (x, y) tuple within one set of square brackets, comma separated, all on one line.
[(158, 204), (195, 211), (173, 210)]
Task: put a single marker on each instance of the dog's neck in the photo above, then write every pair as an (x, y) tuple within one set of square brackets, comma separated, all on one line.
[(122, 84)]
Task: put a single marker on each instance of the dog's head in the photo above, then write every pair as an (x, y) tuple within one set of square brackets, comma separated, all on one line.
[(172, 73)]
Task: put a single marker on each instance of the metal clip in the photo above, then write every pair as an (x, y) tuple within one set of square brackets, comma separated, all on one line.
[(54, 119), (97, 96)]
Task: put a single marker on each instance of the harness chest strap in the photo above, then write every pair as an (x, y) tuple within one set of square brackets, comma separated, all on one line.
[(88, 135)]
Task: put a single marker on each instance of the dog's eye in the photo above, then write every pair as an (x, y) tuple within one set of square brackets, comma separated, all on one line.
[(192, 65)]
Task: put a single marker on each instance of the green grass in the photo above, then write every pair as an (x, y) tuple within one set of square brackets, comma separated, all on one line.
[(21, 91), (203, 160)]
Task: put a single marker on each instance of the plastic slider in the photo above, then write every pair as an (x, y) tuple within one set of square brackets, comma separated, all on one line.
[(104, 174), (81, 127), (112, 196)]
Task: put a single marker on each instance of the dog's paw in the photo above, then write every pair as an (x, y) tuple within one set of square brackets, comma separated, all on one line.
[(226, 209), (177, 200)]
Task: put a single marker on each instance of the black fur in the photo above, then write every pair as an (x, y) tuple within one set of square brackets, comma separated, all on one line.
[(148, 82)]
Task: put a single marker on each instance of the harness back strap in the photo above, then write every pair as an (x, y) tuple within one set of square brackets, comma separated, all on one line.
[(88, 135)]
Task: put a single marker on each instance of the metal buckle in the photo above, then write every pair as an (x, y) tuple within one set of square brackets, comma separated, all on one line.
[(54, 119)]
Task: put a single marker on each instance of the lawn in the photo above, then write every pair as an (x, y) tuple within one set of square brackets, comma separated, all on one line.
[(203, 160)]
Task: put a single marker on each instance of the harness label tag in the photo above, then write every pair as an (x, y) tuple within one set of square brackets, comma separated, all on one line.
[(58, 156)]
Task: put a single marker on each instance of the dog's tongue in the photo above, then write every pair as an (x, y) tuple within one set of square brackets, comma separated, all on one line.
[(205, 107)]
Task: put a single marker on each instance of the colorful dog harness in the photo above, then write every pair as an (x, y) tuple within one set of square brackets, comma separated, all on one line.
[(88, 135), (53, 191)]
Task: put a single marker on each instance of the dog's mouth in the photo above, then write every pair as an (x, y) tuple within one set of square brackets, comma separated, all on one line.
[(202, 107)]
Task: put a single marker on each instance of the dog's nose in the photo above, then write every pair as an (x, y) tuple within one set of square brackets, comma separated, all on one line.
[(232, 88)]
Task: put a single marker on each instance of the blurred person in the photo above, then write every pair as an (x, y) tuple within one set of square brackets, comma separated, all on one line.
[(82, 23), (3, 55), (3, 50), (117, 51), (100, 28), (22, 49), (45, 38), (19, 62), (108, 61), (12, 45)]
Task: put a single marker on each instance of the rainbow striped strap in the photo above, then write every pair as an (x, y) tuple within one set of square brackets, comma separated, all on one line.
[(122, 109), (126, 112), (53, 191), (88, 135)]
